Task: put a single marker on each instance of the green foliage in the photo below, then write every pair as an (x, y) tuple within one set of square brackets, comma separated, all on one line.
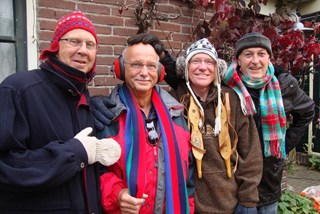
[(290, 166), (293, 203), (314, 162)]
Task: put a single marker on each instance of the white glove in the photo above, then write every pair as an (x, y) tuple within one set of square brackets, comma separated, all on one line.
[(89, 143), (108, 151)]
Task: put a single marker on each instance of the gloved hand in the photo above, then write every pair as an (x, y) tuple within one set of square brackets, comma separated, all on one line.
[(245, 210), (106, 151), (89, 143), (150, 39), (157, 45), (101, 109)]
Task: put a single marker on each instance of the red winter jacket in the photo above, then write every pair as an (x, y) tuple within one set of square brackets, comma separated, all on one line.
[(113, 181)]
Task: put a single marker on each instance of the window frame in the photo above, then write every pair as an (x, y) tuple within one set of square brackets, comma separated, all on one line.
[(20, 35)]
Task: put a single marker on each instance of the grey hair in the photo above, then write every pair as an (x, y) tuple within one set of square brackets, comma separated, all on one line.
[(181, 66), (124, 54), (222, 68)]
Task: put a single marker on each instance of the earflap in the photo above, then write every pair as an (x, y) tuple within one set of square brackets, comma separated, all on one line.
[(118, 69), (161, 72)]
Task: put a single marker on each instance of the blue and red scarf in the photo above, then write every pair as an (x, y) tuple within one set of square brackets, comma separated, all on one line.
[(135, 147)]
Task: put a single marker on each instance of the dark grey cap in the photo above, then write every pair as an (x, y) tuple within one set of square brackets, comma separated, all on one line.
[(251, 40)]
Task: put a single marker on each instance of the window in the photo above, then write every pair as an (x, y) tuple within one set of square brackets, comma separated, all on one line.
[(13, 46)]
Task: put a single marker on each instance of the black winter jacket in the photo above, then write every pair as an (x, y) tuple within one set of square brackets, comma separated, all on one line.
[(42, 167), (301, 107)]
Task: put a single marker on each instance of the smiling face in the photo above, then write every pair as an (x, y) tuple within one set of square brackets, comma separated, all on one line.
[(254, 62), (78, 57), (141, 64), (201, 71)]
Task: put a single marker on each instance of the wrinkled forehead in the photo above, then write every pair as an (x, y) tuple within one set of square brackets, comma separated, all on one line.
[(203, 56), (81, 34)]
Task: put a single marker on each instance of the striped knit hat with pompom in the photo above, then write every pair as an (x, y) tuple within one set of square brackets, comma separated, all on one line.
[(182, 63)]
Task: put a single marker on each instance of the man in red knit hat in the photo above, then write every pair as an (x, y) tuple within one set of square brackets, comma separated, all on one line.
[(48, 161)]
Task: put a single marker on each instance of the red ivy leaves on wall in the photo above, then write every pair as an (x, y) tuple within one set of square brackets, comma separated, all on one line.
[(291, 48)]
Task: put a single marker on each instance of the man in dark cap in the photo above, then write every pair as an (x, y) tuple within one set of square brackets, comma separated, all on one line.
[(271, 95), (48, 161)]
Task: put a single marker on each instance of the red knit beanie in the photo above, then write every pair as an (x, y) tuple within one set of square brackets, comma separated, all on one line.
[(75, 20)]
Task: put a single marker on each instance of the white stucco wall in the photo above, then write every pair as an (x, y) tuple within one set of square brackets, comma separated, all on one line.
[(269, 8), (32, 34), (309, 7), (305, 7)]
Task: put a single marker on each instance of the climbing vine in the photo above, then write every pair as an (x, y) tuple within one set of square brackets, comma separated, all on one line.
[(292, 49)]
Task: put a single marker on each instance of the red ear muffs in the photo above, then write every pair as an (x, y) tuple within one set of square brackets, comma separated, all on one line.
[(161, 72), (118, 69)]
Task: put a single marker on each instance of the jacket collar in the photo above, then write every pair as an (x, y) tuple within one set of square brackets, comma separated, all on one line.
[(67, 77), (175, 108)]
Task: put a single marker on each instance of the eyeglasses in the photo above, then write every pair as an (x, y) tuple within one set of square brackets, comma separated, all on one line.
[(75, 42), (198, 62), (152, 133), (139, 66)]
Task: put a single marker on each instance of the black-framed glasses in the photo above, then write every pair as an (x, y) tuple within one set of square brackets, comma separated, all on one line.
[(153, 136), (76, 42)]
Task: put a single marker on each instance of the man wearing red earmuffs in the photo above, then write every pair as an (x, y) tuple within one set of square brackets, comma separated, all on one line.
[(153, 174)]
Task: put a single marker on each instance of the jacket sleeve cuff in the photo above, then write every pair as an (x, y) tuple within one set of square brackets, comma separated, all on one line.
[(78, 149)]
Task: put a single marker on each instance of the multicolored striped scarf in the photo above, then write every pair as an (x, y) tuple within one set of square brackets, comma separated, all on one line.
[(273, 117), (136, 140)]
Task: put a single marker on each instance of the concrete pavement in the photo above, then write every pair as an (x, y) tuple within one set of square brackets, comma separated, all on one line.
[(301, 177)]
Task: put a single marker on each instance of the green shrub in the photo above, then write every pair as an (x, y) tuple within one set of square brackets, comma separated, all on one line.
[(314, 162), (293, 203)]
